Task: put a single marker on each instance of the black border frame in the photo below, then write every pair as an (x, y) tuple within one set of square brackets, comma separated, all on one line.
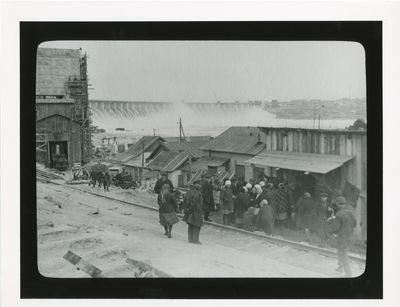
[(366, 286)]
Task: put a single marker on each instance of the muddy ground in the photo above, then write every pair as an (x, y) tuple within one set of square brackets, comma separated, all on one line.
[(106, 233)]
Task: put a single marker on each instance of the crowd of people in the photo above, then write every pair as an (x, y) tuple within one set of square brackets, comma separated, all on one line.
[(258, 206)]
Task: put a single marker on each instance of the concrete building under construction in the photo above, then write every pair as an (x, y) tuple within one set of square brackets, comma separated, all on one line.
[(62, 108)]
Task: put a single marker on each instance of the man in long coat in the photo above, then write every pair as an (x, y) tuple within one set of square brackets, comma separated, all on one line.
[(226, 197), (342, 226), (305, 213), (193, 214), (208, 197)]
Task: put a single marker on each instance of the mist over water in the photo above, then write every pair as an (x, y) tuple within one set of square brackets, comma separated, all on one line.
[(139, 122)]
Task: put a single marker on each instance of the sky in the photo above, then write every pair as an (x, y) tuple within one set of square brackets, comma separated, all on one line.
[(226, 71)]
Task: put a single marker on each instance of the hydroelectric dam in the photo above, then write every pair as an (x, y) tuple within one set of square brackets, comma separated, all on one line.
[(133, 109), (198, 118)]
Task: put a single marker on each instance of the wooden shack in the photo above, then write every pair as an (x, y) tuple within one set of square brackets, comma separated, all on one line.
[(62, 115), (333, 161)]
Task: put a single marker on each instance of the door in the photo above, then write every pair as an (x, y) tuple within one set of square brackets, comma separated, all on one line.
[(58, 155)]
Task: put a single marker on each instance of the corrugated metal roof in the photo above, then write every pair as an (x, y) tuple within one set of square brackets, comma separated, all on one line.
[(137, 161), (242, 140), (161, 160), (137, 148), (176, 162), (307, 162), (192, 147)]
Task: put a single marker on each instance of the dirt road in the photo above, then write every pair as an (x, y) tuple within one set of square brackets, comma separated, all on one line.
[(106, 233)]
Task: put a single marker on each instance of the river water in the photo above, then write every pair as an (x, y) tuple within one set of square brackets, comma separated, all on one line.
[(196, 123)]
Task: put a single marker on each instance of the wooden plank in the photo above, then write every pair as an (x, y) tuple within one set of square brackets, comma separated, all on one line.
[(357, 152), (322, 143), (290, 138), (326, 144), (274, 137), (342, 145), (349, 146), (279, 140), (83, 265), (285, 141), (295, 141), (364, 162)]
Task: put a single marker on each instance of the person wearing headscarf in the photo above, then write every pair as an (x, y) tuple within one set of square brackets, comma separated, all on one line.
[(305, 213), (226, 197), (167, 209), (216, 193), (265, 218), (342, 226), (193, 213), (260, 195), (242, 202), (281, 202)]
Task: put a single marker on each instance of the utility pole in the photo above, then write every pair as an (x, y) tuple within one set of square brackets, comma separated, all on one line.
[(141, 181), (319, 121), (190, 166), (315, 109), (154, 132), (180, 129)]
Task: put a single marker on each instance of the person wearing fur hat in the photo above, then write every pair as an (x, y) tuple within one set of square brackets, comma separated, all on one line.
[(342, 226), (193, 213), (226, 198)]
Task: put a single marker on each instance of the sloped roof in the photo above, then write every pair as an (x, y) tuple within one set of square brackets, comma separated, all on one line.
[(176, 162), (137, 148), (137, 160), (204, 138), (192, 147), (54, 67), (204, 162), (306, 162), (161, 160), (242, 140)]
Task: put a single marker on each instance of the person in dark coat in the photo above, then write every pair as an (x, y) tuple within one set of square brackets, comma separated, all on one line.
[(193, 214), (106, 180), (208, 197), (281, 202), (270, 192), (342, 226), (99, 179), (266, 218), (226, 197), (305, 213), (167, 209), (324, 211), (242, 203), (250, 219), (160, 182), (93, 178)]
